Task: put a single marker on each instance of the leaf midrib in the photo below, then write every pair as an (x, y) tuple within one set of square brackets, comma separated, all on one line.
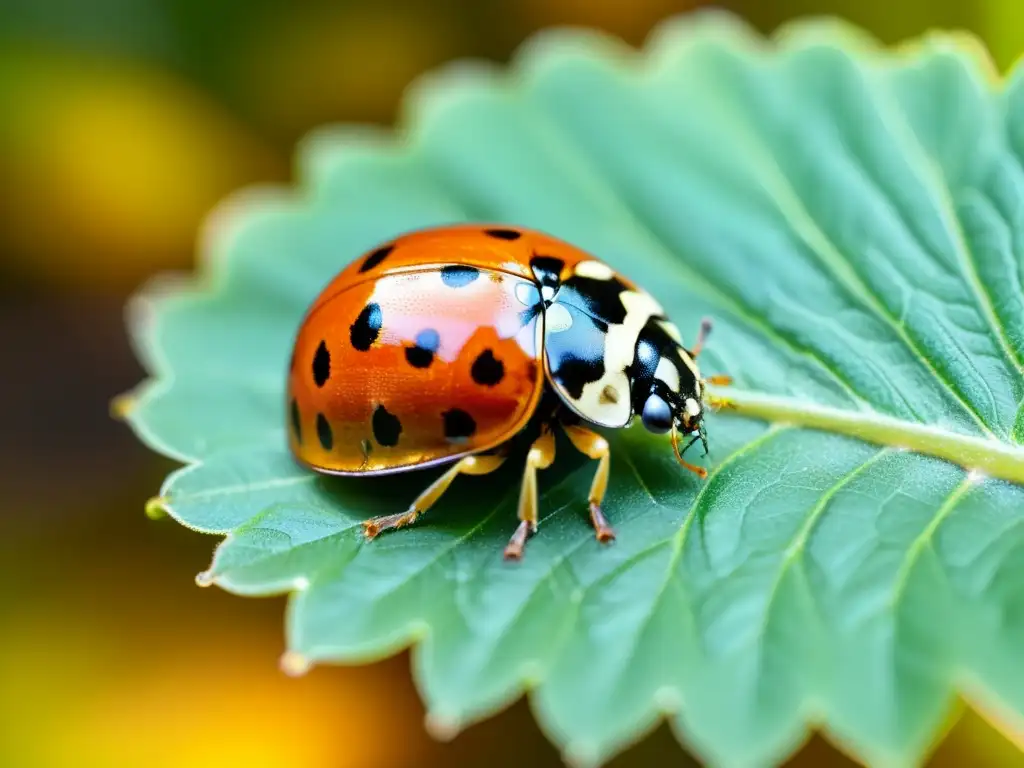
[(982, 456)]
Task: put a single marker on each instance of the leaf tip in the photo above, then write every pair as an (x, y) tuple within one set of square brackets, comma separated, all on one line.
[(668, 700), (442, 726), (122, 405), (418, 630), (531, 673), (582, 754), (295, 664), (156, 508)]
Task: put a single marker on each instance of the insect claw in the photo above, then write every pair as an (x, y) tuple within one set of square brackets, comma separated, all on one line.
[(514, 548), (602, 530)]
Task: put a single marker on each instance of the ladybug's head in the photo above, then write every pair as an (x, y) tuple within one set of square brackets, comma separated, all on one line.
[(681, 414), (675, 401)]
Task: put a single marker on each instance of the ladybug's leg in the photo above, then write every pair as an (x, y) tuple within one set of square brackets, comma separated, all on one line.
[(540, 456), (470, 465), (717, 403), (596, 447)]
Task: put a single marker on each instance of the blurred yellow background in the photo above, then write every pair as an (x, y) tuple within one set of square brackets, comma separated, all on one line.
[(123, 123)]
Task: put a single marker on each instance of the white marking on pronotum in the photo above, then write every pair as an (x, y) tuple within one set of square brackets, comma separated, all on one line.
[(671, 330), (595, 270), (692, 408)]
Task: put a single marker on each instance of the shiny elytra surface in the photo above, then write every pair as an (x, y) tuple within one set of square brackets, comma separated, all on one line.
[(412, 368)]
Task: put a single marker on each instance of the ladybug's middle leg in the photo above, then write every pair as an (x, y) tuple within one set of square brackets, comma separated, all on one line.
[(596, 447), (480, 464)]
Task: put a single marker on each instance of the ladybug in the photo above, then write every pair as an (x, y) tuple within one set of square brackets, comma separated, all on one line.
[(444, 344)]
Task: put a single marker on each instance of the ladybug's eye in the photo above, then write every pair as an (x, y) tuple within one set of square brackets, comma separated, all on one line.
[(657, 415)]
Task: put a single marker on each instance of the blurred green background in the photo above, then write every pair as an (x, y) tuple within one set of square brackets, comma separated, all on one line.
[(122, 122)]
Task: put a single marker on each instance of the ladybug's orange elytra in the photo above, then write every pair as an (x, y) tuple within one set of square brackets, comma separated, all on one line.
[(440, 346)]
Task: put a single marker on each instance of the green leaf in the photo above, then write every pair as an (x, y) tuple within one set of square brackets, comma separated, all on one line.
[(851, 217)]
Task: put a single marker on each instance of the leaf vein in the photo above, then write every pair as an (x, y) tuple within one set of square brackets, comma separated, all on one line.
[(796, 548), (918, 545), (840, 266), (967, 259)]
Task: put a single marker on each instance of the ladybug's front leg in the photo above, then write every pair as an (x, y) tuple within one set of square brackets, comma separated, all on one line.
[(596, 447), (471, 465), (540, 456)]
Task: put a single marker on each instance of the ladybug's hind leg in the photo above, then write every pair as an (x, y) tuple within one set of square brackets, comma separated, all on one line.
[(540, 456), (480, 464), (596, 447)]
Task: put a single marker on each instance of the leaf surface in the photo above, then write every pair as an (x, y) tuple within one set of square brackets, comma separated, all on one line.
[(852, 219)]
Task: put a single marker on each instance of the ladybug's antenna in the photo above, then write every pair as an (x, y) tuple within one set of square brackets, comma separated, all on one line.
[(702, 335), (699, 471)]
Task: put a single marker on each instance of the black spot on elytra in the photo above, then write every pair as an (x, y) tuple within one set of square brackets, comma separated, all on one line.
[(547, 269), (321, 364), (487, 369), (459, 276), (386, 426), (458, 425), (503, 234), (296, 422), (422, 354), (323, 431), (376, 258), (363, 332)]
